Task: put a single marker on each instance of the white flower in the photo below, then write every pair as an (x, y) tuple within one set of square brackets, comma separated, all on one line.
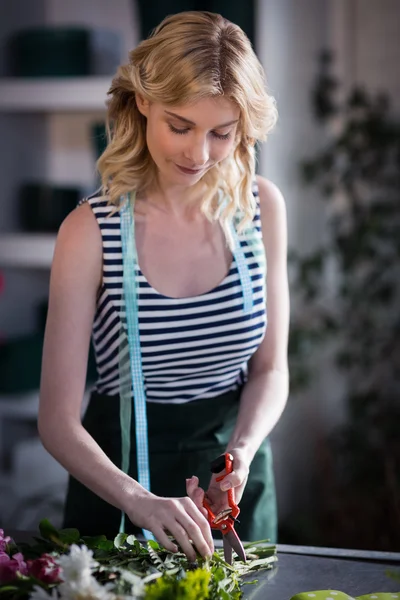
[(39, 593), (77, 566), (85, 590), (78, 582), (136, 582)]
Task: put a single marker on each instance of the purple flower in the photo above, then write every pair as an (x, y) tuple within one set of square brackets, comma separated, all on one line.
[(9, 567), (3, 541), (45, 569)]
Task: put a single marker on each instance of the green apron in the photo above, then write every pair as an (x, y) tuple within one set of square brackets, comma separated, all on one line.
[(183, 440)]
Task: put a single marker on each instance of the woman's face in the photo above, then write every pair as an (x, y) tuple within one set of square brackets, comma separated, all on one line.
[(186, 141)]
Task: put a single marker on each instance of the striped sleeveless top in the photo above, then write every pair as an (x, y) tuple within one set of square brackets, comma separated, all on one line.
[(192, 347)]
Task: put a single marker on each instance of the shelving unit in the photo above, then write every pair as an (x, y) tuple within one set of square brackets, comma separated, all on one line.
[(77, 94), (48, 131), (16, 406), (25, 250), (20, 458), (52, 96)]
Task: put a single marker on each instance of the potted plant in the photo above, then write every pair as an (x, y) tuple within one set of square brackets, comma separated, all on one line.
[(358, 310)]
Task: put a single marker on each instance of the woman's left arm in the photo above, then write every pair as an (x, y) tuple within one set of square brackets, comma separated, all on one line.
[(266, 390)]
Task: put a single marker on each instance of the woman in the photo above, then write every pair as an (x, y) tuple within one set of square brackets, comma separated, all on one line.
[(176, 243)]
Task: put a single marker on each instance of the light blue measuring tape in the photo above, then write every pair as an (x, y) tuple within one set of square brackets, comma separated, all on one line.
[(130, 358)]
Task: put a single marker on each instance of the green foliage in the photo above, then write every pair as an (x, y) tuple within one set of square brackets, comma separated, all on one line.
[(393, 575), (358, 176), (194, 586), (166, 575)]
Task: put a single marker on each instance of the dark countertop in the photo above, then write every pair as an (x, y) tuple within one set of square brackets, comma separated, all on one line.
[(295, 573)]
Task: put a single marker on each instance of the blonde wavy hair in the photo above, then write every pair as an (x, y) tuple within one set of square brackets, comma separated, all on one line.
[(189, 56)]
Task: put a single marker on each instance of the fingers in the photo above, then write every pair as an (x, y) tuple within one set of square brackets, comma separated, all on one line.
[(192, 486), (233, 480), (202, 530), (188, 530), (163, 539), (196, 493), (237, 477), (186, 534), (183, 520)]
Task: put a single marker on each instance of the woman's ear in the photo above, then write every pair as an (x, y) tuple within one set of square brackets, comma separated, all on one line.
[(142, 104)]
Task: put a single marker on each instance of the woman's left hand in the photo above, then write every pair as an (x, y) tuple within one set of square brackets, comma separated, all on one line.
[(216, 494)]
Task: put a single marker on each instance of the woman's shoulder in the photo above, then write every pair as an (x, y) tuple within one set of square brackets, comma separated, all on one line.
[(271, 201), (79, 232), (77, 260), (271, 197), (99, 204)]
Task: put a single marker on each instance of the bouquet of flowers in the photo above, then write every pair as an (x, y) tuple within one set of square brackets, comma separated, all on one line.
[(63, 565)]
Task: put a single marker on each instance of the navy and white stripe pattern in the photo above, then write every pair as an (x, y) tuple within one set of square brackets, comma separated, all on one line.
[(196, 347)]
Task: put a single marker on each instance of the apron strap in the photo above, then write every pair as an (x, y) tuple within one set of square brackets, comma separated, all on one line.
[(244, 273), (135, 356)]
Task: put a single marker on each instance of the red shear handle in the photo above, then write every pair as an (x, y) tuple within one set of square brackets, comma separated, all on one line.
[(228, 469), (225, 462), (210, 514), (222, 522)]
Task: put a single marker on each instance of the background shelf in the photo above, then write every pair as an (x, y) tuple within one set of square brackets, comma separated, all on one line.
[(75, 94), (27, 250)]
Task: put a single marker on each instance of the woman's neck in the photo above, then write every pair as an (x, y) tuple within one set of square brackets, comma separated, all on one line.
[(181, 202)]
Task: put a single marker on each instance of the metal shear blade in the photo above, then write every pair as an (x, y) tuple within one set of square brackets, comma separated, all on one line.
[(232, 541), (221, 516)]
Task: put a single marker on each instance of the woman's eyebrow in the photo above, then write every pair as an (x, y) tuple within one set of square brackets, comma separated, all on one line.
[(188, 122)]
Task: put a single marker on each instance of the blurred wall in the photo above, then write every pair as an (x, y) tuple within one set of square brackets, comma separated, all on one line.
[(366, 41), (290, 33)]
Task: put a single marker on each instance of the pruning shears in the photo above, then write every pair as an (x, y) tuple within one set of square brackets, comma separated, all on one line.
[(225, 520)]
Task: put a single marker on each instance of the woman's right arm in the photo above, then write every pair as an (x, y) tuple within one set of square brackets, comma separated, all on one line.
[(75, 278)]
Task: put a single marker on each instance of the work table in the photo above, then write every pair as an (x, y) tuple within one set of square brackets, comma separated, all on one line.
[(305, 569)]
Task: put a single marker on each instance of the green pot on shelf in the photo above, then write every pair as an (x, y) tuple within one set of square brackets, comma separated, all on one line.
[(21, 363), (50, 52), (43, 207), (98, 138)]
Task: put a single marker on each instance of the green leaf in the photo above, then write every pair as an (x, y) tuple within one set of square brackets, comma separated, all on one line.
[(153, 544), (261, 562), (94, 542), (393, 574), (47, 530), (218, 574), (173, 571), (131, 540), (155, 557), (119, 540), (139, 548), (259, 543), (69, 536), (107, 545)]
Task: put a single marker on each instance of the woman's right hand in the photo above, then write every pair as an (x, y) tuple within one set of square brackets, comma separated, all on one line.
[(180, 517)]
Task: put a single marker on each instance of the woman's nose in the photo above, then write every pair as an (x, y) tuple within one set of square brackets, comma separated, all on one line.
[(198, 152)]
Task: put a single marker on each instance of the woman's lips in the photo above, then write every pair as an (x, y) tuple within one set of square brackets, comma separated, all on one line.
[(189, 171)]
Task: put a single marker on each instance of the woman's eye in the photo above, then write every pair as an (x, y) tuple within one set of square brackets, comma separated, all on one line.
[(175, 130), (215, 134), (221, 136)]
